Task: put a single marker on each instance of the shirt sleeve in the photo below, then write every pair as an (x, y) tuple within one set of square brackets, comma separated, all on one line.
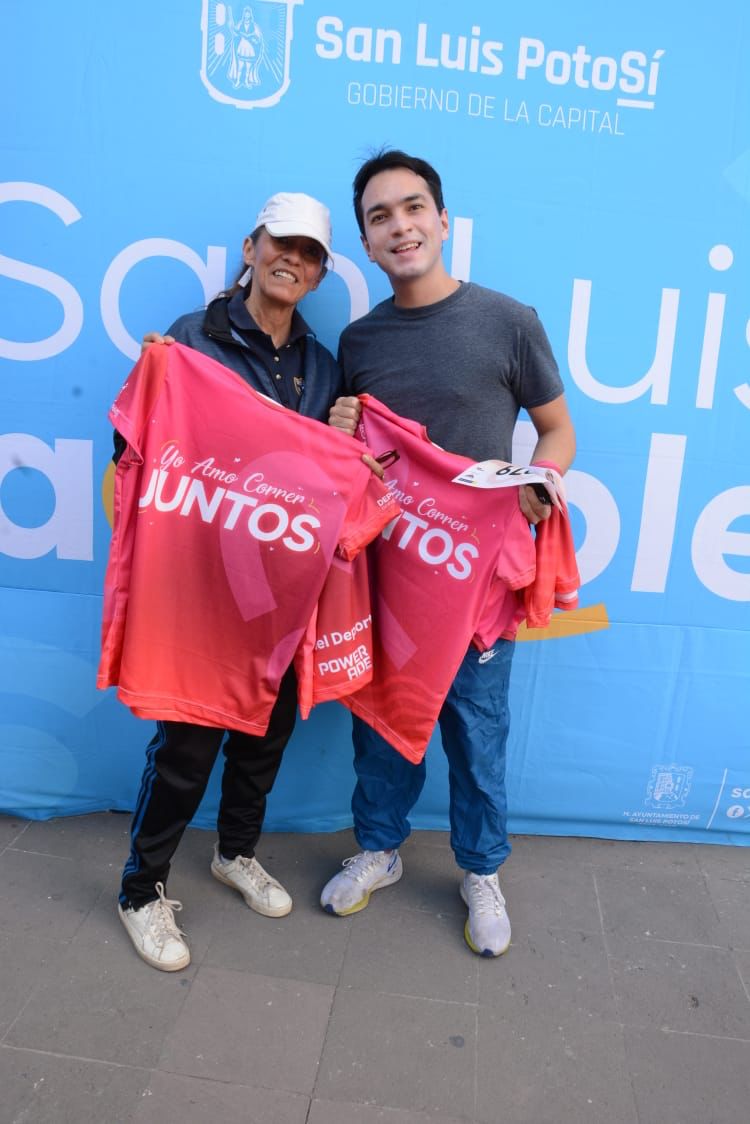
[(516, 565), (366, 517), (557, 580), (341, 360), (139, 395), (540, 380)]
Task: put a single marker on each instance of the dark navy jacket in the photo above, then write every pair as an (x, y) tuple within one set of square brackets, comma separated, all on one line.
[(211, 332)]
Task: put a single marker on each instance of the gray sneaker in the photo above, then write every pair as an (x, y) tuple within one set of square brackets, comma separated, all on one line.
[(350, 889), (487, 929), (261, 892), (155, 935)]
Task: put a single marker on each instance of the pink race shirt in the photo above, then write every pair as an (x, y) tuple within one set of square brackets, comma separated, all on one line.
[(228, 511), (432, 569), (335, 657), (555, 586)]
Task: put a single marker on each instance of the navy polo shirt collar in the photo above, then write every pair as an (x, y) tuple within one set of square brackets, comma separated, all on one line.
[(244, 322)]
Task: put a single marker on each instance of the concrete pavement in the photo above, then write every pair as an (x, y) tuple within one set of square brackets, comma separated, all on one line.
[(624, 998)]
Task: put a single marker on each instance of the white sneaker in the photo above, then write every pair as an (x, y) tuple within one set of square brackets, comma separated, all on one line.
[(261, 892), (155, 935), (487, 929), (350, 889)]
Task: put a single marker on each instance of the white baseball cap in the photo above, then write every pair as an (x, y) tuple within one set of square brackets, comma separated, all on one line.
[(289, 213)]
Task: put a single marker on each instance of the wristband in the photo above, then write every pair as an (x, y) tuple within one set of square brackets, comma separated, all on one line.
[(547, 464)]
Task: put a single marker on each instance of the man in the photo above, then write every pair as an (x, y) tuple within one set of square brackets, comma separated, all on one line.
[(462, 360)]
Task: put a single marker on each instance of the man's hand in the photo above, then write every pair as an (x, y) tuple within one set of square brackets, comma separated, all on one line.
[(154, 337), (344, 415), (533, 508)]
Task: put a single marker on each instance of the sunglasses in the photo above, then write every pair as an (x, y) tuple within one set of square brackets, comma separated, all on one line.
[(385, 460)]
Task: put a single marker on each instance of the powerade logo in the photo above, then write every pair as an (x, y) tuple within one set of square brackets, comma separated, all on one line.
[(246, 51)]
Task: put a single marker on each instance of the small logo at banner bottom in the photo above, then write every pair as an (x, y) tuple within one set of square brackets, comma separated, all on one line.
[(246, 50), (668, 786)]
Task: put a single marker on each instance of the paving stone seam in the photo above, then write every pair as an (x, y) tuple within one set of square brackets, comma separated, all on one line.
[(316, 1074), (42, 854), (743, 878), (615, 1003), (164, 1071), (415, 1113), (551, 929), (13, 840), (13, 1022), (222, 968), (648, 939), (53, 942), (405, 995), (742, 979), (629, 866), (695, 1034), (76, 1058), (475, 1106), (707, 888), (152, 1071)]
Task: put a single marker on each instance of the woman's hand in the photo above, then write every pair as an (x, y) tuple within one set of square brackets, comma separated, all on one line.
[(154, 337)]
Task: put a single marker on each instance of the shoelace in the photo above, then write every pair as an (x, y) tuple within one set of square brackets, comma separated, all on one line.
[(162, 920), (359, 865), (486, 896), (255, 872)]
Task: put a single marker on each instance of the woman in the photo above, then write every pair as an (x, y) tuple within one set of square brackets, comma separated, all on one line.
[(253, 328)]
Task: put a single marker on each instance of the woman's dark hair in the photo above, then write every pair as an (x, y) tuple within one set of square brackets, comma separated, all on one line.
[(383, 161)]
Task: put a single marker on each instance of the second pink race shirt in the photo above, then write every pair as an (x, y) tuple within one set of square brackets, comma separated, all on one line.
[(431, 569)]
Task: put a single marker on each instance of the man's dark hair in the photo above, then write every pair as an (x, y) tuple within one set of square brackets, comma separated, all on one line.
[(383, 161)]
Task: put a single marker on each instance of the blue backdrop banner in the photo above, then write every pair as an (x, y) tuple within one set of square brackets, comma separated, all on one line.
[(596, 165)]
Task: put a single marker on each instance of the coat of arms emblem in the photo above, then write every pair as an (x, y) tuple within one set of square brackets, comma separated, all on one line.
[(246, 49), (668, 786)]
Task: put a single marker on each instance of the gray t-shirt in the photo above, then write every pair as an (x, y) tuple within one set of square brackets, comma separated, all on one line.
[(463, 366)]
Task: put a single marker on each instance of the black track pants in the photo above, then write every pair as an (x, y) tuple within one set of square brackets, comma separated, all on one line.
[(179, 760)]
